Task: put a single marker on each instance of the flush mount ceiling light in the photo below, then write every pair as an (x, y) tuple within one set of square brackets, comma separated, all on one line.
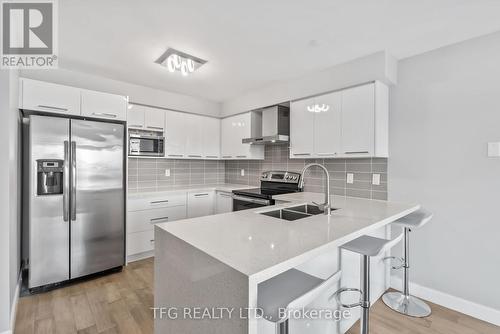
[(316, 108), (175, 60)]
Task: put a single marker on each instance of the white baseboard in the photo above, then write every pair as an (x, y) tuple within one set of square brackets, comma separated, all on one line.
[(458, 304), (13, 307), (140, 256)]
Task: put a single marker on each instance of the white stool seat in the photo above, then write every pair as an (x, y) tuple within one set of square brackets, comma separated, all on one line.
[(370, 246), (281, 290), (415, 220)]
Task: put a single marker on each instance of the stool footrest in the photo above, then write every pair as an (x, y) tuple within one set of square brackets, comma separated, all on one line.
[(337, 296), (401, 261)]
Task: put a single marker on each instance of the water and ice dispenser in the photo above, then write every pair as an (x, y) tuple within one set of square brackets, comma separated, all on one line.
[(49, 177)]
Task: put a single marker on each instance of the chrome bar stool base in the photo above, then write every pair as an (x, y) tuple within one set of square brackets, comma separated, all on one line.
[(407, 305)]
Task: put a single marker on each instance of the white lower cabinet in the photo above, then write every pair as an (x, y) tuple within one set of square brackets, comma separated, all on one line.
[(223, 202), (200, 204), (143, 213)]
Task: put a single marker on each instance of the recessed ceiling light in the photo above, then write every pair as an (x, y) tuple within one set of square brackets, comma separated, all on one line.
[(175, 60)]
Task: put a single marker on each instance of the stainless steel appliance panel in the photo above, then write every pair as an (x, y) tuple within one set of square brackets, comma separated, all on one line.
[(244, 202), (98, 202), (48, 230)]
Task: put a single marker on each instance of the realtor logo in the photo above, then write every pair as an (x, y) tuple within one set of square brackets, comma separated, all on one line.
[(29, 34)]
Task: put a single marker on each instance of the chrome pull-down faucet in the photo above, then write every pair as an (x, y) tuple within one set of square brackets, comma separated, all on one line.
[(326, 206)]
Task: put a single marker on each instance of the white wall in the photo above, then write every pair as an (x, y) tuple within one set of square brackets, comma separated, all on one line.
[(445, 109), (136, 93), (378, 66), (9, 196)]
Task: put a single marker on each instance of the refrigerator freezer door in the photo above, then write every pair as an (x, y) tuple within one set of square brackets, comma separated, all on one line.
[(48, 232), (98, 201)]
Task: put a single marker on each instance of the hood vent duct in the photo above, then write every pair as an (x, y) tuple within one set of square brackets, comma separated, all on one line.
[(275, 126)]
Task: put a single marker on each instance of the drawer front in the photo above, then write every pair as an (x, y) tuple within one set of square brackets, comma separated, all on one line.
[(144, 220), (176, 199), (140, 242)]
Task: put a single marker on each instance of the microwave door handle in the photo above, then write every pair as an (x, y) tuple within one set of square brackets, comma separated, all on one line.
[(73, 180), (66, 182)]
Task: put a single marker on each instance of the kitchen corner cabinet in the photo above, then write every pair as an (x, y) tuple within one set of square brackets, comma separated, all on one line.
[(233, 130), (353, 123)]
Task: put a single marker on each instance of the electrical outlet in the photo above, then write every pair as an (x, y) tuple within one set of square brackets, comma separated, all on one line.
[(242, 172), (167, 171), (350, 178), (376, 179)]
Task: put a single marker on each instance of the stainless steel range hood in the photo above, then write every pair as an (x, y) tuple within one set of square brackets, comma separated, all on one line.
[(275, 126)]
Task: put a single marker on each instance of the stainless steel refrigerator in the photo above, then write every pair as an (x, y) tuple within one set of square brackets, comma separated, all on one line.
[(75, 200)]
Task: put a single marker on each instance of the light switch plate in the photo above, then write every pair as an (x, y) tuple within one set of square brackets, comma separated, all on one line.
[(350, 178), (494, 149), (376, 179), (242, 172), (167, 171)]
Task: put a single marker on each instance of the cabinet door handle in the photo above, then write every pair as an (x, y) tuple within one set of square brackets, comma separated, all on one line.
[(301, 154), (241, 156), (176, 155), (152, 241), (227, 156), (211, 156), (158, 219), (200, 195), (225, 195), (194, 156), (104, 114), (135, 126), (159, 202), (154, 127), (323, 154), (356, 152), (52, 107)]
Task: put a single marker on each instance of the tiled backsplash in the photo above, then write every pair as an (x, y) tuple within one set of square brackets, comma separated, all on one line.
[(277, 158), (149, 174)]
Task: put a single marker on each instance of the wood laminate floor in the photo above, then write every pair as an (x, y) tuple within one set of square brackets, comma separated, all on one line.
[(120, 303)]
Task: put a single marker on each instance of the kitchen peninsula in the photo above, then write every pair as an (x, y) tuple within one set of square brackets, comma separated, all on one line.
[(219, 260)]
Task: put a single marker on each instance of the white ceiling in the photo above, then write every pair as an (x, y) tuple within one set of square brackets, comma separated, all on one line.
[(251, 44)]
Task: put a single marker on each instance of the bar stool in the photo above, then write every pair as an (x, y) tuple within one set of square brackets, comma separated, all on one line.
[(403, 302), (291, 290), (367, 247)]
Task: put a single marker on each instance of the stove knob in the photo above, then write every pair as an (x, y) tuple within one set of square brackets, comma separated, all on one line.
[(295, 177)]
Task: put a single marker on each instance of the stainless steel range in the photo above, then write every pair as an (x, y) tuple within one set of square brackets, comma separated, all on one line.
[(271, 183)]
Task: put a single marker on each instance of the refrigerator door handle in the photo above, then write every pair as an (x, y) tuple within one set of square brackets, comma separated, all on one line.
[(73, 180), (66, 182)]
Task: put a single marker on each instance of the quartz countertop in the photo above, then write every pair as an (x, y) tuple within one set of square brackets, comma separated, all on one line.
[(261, 247)]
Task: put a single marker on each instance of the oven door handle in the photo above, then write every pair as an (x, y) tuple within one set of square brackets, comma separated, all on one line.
[(252, 200)]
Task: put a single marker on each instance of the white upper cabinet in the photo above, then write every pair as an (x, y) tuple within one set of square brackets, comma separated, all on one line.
[(135, 117), (358, 115), (146, 118), (175, 134), (348, 123), (194, 136), (301, 129), (49, 97), (233, 130), (327, 125), (211, 129), (103, 105), (154, 119)]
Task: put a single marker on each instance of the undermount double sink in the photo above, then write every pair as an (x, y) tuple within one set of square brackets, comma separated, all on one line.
[(295, 212)]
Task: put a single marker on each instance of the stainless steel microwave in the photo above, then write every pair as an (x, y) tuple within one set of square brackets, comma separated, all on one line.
[(145, 144)]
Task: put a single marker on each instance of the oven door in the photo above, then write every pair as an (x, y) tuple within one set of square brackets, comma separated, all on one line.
[(244, 202)]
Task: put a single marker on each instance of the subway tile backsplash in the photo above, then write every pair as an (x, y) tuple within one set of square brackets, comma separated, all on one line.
[(277, 158), (146, 175)]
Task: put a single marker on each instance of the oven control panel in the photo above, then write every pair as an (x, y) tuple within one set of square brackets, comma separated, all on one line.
[(280, 176)]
